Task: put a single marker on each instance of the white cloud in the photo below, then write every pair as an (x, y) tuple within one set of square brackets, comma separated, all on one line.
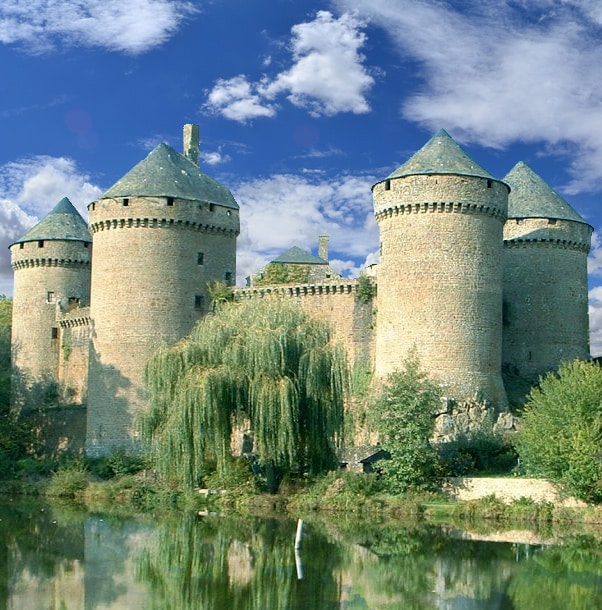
[(282, 211), (497, 72), (327, 75), (238, 99), (594, 260), (29, 189), (595, 321), (131, 27)]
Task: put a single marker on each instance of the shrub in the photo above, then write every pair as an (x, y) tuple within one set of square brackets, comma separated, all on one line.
[(69, 481)]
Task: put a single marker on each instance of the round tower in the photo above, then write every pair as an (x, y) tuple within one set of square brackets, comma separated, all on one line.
[(546, 243), (160, 234), (51, 263), (440, 273)]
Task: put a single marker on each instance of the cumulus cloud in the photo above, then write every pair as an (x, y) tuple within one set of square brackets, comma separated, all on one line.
[(498, 72), (131, 27), (303, 208), (327, 75), (595, 321), (29, 189)]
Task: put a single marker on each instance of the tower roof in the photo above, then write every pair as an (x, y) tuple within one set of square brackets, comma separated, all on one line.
[(300, 257), (532, 197), (441, 155), (167, 173), (63, 222)]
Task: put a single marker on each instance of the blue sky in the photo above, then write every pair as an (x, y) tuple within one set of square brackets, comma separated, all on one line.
[(302, 105)]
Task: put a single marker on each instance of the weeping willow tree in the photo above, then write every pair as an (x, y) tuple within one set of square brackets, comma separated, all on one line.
[(265, 362)]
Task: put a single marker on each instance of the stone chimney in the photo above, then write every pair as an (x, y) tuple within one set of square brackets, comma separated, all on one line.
[(192, 149), (323, 247)]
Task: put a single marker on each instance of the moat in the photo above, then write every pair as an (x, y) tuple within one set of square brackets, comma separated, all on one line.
[(64, 558)]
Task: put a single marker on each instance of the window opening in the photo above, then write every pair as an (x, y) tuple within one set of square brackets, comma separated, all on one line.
[(387, 185), (54, 332), (200, 258), (228, 277), (41, 243), (198, 302), (50, 297), (212, 207), (125, 201), (170, 201)]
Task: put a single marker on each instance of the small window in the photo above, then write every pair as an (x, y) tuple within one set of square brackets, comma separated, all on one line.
[(529, 355), (228, 278), (551, 221), (212, 207), (198, 302), (86, 244), (387, 185), (54, 332), (92, 206), (200, 258), (73, 301), (489, 183), (228, 213), (21, 246), (50, 297), (41, 243), (170, 201), (125, 202)]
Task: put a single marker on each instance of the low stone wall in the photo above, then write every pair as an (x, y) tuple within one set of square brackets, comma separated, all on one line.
[(507, 490)]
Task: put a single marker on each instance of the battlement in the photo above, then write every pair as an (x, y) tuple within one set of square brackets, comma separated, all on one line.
[(297, 290)]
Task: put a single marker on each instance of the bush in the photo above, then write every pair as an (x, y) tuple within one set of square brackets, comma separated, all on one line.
[(405, 420), (561, 430), (69, 481)]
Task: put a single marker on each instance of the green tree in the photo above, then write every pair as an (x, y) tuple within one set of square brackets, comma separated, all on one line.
[(561, 429), (405, 420), (264, 362), (283, 273)]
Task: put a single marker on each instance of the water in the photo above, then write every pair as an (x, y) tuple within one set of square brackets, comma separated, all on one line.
[(64, 559)]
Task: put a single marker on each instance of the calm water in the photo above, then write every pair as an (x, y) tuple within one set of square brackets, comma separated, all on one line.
[(61, 559)]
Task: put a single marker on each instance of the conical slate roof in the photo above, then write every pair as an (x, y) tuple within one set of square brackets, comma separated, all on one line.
[(63, 222), (167, 173), (297, 256), (441, 155), (532, 197)]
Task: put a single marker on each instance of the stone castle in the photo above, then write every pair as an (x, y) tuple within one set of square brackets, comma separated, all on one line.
[(484, 278)]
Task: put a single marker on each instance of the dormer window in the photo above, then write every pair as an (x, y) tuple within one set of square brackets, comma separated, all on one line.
[(125, 202), (212, 207), (170, 201), (40, 243), (387, 185)]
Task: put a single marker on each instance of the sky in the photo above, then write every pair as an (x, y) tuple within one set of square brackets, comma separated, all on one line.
[(302, 105)]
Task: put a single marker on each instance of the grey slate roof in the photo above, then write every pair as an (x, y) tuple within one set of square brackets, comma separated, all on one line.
[(441, 155), (300, 257), (167, 173), (532, 197), (63, 222)]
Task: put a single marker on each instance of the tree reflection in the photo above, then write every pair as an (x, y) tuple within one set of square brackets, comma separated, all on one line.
[(238, 564)]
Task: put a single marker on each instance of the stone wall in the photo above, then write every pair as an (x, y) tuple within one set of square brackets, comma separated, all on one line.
[(49, 275), (153, 258), (352, 319), (73, 356), (545, 294), (440, 280)]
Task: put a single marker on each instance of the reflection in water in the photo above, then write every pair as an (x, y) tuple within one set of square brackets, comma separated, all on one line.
[(69, 560)]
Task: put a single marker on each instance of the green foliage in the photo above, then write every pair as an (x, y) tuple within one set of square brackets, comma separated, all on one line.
[(283, 273), (69, 481), (405, 420), (219, 293), (561, 430), (117, 464), (265, 362), (365, 289), (485, 452)]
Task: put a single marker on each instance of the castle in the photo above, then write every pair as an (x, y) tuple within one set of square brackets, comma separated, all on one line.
[(484, 278)]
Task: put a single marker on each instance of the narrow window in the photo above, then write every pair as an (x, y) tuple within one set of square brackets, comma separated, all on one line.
[(21, 246), (73, 301), (212, 207), (529, 355), (387, 185), (54, 333), (170, 201), (488, 184), (551, 221), (200, 258), (198, 302), (228, 278), (92, 206), (228, 213), (125, 201), (50, 297), (41, 243), (86, 244)]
